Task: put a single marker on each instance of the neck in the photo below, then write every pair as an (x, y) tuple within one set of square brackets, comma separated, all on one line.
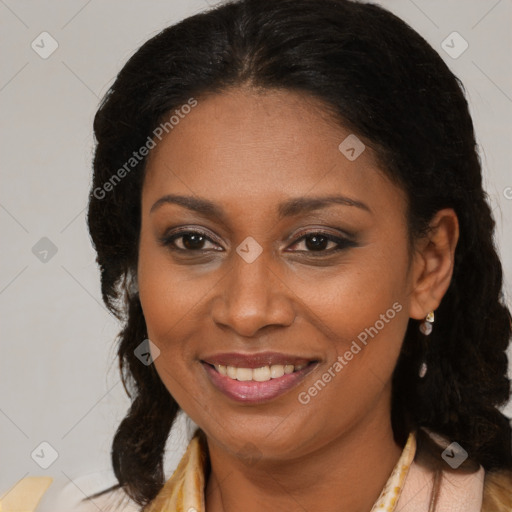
[(347, 473)]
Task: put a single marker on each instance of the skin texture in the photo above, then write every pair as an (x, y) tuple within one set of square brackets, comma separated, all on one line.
[(247, 151)]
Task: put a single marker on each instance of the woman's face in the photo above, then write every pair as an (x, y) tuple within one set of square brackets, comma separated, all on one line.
[(273, 265)]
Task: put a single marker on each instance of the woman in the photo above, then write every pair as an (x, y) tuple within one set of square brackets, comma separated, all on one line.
[(288, 212)]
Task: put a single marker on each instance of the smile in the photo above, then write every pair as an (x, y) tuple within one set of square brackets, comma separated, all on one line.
[(257, 385), (258, 374)]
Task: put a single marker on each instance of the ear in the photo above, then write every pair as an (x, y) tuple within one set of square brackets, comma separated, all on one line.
[(433, 262)]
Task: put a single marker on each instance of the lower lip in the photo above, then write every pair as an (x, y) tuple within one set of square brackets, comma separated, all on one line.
[(252, 391)]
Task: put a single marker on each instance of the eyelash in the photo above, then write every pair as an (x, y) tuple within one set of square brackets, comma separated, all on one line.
[(343, 243)]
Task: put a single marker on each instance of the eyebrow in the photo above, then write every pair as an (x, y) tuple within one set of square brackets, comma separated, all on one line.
[(288, 208)]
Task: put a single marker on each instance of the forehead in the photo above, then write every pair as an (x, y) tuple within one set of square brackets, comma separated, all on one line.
[(258, 147)]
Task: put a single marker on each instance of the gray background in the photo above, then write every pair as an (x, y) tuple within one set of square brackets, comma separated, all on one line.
[(58, 372)]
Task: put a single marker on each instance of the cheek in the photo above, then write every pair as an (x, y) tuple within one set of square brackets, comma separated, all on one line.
[(173, 300), (362, 310), (163, 299), (365, 331), (363, 317), (165, 309), (355, 295), (167, 291)]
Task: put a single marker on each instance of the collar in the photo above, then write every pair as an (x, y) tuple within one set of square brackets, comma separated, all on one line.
[(390, 494)]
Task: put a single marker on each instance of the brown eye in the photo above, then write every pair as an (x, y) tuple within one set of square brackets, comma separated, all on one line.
[(190, 241), (319, 242), (316, 242), (193, 241)]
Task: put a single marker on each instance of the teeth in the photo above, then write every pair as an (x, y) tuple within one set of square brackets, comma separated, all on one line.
[(231, 372), (258, 374), (276, 371), (243, 374)]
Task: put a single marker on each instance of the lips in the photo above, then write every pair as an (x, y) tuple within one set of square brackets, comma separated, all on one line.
[(253, 389)]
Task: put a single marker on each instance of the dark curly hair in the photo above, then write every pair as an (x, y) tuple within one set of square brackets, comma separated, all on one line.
[(385, 83)]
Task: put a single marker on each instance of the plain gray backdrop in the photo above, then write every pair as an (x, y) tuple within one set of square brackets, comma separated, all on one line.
[(59, 379)]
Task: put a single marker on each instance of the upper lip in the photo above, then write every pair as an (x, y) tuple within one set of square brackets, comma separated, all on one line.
[(256, 360)]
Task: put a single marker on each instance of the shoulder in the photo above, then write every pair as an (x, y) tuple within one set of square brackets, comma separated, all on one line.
[(497, 496), (466, 482)]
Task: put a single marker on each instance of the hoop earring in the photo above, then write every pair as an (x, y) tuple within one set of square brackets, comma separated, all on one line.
[(426, 329)]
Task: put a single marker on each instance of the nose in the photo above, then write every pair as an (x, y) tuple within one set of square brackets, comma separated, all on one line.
[(252, 296)]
